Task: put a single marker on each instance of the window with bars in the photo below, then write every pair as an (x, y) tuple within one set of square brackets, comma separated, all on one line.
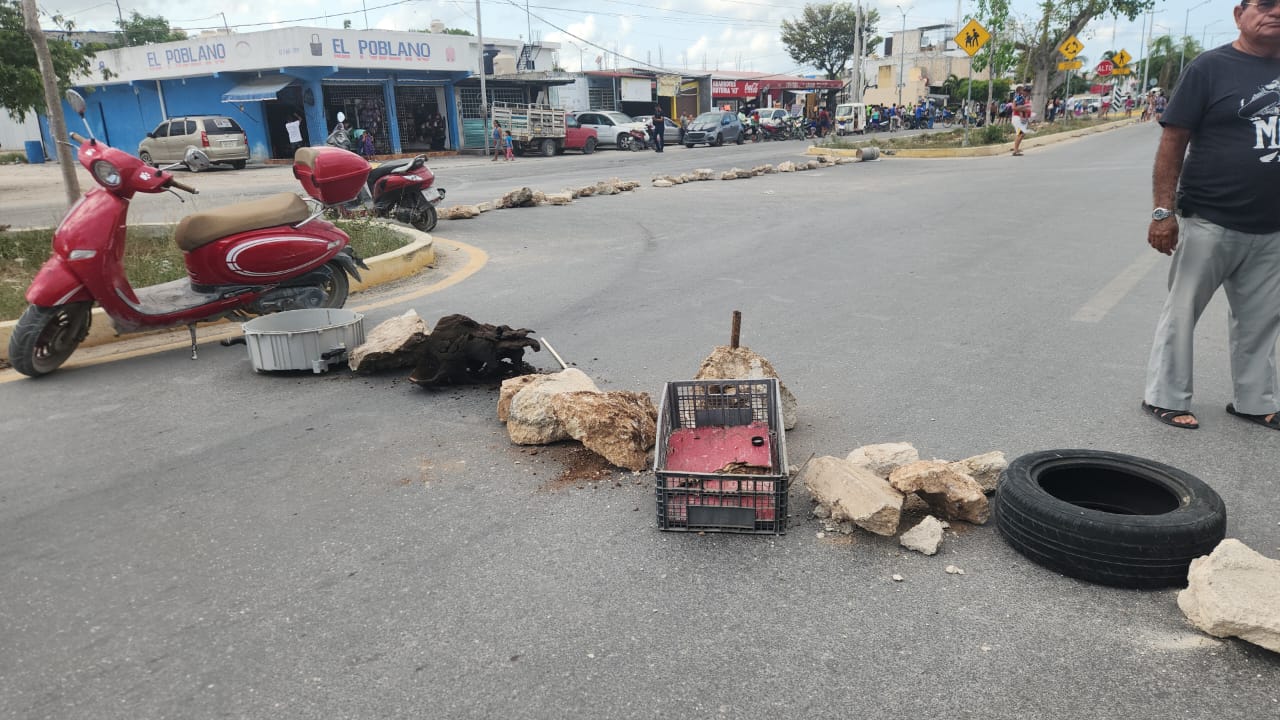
[(469, 99), (419, 116), (602, 98), (365, 108)]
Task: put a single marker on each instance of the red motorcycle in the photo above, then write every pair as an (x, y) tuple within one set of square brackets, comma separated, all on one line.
[(251, 258), (404, 190)]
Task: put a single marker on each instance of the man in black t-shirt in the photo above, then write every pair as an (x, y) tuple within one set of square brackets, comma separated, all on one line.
[(1226, 230), (659, 128)]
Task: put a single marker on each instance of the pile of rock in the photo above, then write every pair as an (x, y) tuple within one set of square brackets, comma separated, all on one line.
[(620, 426), (528, 197), (874, 484)]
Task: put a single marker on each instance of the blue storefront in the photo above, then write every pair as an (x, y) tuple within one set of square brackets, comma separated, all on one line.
[(399, 86)]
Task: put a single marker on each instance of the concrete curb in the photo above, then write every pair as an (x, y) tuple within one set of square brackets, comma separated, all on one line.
[(385, 268), (1031, 141)]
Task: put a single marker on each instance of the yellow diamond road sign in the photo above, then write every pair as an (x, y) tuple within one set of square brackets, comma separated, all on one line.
[(972, 37), (1121, 59), (1070, 65), (1070, 47)]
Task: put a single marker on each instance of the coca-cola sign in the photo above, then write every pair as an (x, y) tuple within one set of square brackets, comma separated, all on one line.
[(752, 88)]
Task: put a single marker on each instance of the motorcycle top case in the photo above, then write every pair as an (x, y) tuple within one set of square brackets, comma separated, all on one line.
[(329, 174)]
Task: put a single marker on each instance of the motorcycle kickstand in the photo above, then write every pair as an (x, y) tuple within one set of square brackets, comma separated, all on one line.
[(192, 329)]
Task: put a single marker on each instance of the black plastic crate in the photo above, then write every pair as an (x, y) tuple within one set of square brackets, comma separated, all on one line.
[(722, 417)]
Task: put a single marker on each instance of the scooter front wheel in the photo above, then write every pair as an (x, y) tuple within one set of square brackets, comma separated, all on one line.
[(45, 337), (336, 287)]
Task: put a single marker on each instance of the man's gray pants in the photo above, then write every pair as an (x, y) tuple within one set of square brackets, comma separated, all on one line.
[(1248, 267)]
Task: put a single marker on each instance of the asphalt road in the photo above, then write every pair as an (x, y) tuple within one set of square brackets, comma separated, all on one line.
[(189, 539)]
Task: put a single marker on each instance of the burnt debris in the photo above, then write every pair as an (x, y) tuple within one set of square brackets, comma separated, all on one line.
[(460, 350)]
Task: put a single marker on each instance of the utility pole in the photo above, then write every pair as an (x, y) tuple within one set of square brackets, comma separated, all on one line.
[(857, 54), (53, 103), (902, 57), (484, 97), (1182, 52)]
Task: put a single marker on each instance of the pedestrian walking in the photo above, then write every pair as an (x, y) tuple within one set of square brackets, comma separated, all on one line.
[(1020, 116), (1216, 214), (497, 139), (507, 143), (659, 128)]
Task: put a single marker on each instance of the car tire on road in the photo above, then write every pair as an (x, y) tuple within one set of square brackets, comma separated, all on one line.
[(145, 157), (548, 147), (1108, 518), (718, 141), (238, 164), (589, 146), (689, 145), (740, 139), (624, 141)]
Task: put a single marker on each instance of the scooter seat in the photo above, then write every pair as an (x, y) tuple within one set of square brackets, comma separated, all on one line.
[(199, 229)]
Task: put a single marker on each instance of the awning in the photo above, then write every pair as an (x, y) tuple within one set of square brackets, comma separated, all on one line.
[(257, 89)]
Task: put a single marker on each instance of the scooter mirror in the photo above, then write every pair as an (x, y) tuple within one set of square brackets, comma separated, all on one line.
[(342, 117), (196, 160), (76, 102)]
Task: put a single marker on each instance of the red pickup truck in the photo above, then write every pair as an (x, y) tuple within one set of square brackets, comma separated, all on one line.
[(542, 129)]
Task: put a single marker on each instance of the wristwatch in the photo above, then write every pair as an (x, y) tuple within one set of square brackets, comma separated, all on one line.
[(1161, 214)]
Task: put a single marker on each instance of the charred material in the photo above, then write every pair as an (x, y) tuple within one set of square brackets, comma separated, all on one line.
[(461, 350)]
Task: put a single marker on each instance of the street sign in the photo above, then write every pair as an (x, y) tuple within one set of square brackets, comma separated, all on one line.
[(1070, 65), (1122, 71), (1104, 68), (972, 37), (1070, 48), (1121, 59)]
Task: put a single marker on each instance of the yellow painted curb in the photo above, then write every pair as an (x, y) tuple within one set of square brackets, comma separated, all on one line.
[(383, 269), (1030, 141)]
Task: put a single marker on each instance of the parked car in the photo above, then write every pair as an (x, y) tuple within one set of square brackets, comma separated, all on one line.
[(612, 128), (217, 136), (670, 132), (773, 116), (714, 128)]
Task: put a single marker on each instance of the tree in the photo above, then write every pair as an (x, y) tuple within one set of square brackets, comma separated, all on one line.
[(824, 37), (1059, 20), (994, 15), (21, 90), (142, 29), (457, 31)]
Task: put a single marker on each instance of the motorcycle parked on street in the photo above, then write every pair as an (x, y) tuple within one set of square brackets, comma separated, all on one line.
[(402, 190), (250, 258), (339, 137)]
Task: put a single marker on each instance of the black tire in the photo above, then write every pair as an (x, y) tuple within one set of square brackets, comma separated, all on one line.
[(624, 141), (145, 157), (740, 139), (45, 337), (238, 164), (338, 286), (1108, 518), (548, 147), (425, 216), (689, 145), (589, 146), (718, 141)]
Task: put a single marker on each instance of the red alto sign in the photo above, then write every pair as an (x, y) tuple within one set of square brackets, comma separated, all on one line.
[(1105, 67)]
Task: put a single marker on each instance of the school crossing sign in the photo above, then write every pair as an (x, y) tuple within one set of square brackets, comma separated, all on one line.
[(972, 37)]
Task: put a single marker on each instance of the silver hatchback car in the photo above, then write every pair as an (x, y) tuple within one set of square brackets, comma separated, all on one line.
[(218, 136)]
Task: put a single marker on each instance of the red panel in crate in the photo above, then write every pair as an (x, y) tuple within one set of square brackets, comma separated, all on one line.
[(717, 448)]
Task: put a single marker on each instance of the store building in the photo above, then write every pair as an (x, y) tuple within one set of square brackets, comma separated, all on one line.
[(919, 60), (750, 90), (405, 88)]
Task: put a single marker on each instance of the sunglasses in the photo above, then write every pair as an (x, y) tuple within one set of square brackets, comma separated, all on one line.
[(1262, 5)]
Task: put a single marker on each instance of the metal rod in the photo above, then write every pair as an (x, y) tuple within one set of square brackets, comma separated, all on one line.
[(736, 333), (554, 354)]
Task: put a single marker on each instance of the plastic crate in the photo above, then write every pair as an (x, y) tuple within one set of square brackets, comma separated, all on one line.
[(706, 427)]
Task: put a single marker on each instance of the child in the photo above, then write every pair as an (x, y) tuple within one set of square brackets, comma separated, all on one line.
[(506, 139), (366, 144)]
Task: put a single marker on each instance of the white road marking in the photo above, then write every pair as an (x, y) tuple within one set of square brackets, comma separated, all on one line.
[(1108, 297)]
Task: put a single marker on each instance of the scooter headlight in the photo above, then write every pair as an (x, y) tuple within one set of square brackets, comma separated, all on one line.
[(106, 173)]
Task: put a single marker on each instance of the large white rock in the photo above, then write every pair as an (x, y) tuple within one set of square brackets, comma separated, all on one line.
[(854, 493), (883, 458), (703, 174), (740, 363), (531, 419), (393, 344), (984, 468), (924, 537), (1235, 591), (619, 425), (949, 493)]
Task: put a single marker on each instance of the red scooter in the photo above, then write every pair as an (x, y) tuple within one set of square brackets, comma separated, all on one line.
[(403, 190), (251, 258)]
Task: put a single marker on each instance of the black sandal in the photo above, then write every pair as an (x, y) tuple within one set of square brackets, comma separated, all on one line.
[(1274, 423), (1166, 416)]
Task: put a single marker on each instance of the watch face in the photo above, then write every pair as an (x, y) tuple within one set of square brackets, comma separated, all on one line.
[(1160, 214)]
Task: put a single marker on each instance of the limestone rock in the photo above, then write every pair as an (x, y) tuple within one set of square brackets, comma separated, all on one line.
[(884, 457), (392, 344), (812, 165), (685, 177), (619, 426), (745, 174), (826, 160), (660, 182), (586, 191), (924, 538), (703, 174), (562, 198), (763, 170), (522, 197), (845, 160), (539, 197), (949, 493), (605, 188), (786, 166), (459, 212), (510, 387), (625, 185), (1235, 591), (854, 493), (984, 468), (484, 207), (726, 363), (531, 419), (729, 175)]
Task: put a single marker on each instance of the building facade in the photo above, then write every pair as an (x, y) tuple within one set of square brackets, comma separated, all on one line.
[(917, 62)]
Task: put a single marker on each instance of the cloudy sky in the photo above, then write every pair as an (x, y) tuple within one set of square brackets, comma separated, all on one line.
[(693, 34)]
